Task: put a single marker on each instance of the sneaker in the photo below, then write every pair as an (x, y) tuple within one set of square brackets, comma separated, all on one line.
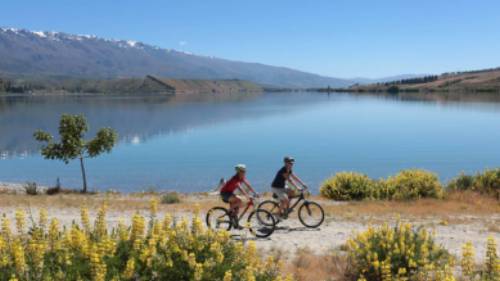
[(284, 216)]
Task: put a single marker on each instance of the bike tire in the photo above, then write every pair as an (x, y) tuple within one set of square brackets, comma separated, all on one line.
[(305, 209), (262, 229), (272, 207), (217, 214)]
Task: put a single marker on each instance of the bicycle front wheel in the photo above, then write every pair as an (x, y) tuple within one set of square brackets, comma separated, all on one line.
[(311, 214), (261, 223), (218, 218), (272, 207)]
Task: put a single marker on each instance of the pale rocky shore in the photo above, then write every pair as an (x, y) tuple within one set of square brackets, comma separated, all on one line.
[(342, 221)]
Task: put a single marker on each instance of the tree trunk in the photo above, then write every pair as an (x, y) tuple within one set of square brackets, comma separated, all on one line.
[(84, 190)]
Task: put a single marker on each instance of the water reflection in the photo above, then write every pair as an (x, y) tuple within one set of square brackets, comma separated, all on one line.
[(189, 142), (136, 119)]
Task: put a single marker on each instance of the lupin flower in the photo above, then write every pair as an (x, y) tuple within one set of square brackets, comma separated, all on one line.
[(42, 221), (467, 262), (20, 220), (228, 276), (153, 207), (84, 216)]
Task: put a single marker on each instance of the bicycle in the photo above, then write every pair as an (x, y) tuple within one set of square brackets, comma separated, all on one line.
[(308, 210), (260, 223)]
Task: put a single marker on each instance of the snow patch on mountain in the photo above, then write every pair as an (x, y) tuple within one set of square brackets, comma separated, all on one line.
[(40, 34)]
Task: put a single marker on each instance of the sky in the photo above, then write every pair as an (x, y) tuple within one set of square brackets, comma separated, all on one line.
[(335, 38)]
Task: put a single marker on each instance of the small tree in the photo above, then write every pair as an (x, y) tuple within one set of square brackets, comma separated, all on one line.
[(72, 129)]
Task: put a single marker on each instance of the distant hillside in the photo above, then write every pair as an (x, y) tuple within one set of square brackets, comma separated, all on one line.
[(147, 85), (484, 81), (362, 80), (33, 53)]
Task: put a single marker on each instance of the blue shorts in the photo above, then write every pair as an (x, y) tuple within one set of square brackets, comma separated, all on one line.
[(225, 196)]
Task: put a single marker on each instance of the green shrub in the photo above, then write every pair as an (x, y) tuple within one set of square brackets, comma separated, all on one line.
[(31, 188), (487, 182), (396, 253), (170, 198), (414, 184), (461, 183), (347, 186)]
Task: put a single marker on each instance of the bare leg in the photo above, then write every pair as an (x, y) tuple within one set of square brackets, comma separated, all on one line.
[(284, 203), (234, 204)]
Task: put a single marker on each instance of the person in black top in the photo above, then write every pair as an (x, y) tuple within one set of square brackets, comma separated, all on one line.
[(280, 187)]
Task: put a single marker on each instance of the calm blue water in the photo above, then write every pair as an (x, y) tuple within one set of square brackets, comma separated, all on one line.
[(188, 144)]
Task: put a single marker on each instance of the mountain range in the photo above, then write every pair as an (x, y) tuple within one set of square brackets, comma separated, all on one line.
[(56, 54)]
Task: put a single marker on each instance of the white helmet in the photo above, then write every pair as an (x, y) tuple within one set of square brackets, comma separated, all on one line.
[(240, 167)]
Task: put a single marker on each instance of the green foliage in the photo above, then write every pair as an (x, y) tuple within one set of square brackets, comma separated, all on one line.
[(393, 89), (408, 184), (31, 188), (72, 129), (397, 253), (487, 182), (170, 198), (348, 186), (414, 184), (461, 183)]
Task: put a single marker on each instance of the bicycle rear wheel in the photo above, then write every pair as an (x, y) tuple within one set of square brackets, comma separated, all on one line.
[(261, 223), (218, 218), (311, 214)]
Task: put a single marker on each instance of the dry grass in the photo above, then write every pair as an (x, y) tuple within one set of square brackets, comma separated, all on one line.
[(456, 208), (306, 266), (460, 203), (116, 201)]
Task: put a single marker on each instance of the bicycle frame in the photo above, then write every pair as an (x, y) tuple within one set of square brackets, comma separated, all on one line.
[(249, 204), (299, 199)]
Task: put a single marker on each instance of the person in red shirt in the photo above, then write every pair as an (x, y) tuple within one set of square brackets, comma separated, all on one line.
[(228, 189)]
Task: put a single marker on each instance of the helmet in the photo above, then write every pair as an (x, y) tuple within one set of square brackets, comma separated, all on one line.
[(288, 159), (240, 168)]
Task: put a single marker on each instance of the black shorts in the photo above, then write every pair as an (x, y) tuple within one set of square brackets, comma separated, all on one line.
[(225, 196)]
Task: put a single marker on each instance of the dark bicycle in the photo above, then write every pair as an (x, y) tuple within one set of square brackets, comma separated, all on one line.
[(310, 213), (260, 223)]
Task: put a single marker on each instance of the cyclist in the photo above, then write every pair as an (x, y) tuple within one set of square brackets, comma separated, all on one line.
[(229, 187), (280, 187)]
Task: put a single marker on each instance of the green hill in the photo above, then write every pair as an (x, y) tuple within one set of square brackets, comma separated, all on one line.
[(127, 86)]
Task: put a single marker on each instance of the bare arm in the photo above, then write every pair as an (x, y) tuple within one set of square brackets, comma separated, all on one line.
[(298, 180), (243, 191), (249, 187), (291, 181)]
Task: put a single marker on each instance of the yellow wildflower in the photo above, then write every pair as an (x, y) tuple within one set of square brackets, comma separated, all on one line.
[(228, 276), (129, 269), (153, 206), (84, 216), (20, 220), (42, 221)]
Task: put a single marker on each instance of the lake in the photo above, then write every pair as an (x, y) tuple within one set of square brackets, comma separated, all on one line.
[(188, 143)]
